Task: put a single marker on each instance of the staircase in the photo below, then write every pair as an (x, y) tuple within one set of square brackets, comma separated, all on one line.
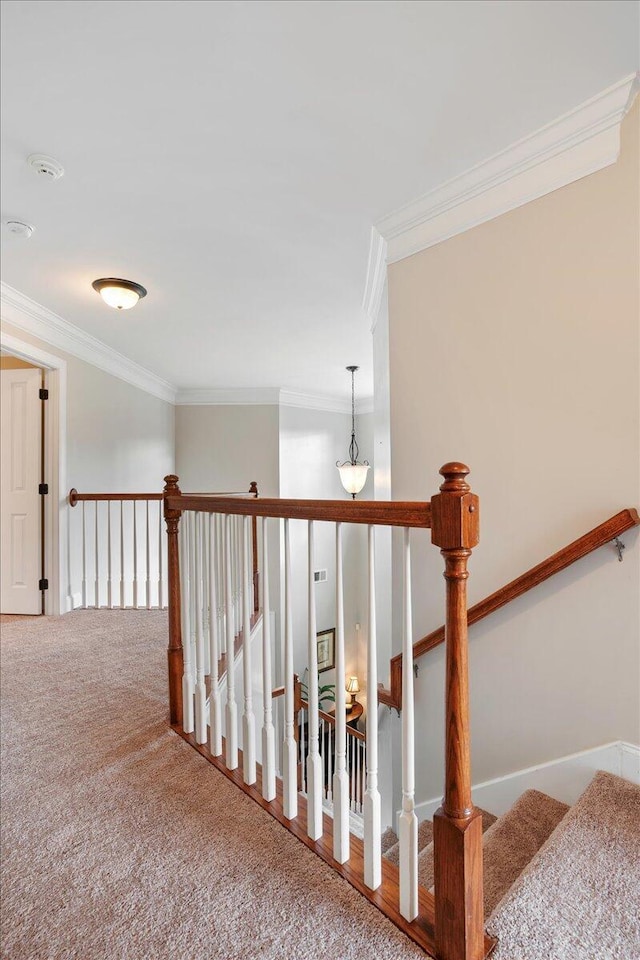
[(430, 882), (560, 882)]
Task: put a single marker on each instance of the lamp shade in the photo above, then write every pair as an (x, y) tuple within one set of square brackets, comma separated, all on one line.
[(353, 476), (353, 686), (120, 294)]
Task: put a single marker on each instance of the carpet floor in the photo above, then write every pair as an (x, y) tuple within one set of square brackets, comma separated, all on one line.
[(119, 842)]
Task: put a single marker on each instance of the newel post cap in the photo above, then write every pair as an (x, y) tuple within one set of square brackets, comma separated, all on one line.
[(455, 511), (454, 474)]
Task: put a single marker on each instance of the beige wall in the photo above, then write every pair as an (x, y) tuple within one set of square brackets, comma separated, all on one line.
[(226, 447), (514, 347)]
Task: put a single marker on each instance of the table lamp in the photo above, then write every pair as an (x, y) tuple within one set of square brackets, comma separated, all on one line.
[(353, 687)]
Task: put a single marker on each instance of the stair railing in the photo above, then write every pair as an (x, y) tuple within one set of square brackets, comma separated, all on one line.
[(604, 533), (448, 924), (356, 757), (118, 549)]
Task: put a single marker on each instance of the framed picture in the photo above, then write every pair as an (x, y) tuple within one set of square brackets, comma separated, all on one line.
[(326, 645)]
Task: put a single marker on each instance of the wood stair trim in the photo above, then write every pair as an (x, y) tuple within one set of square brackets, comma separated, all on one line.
[(385, 898), (392, 513), (602, 534)]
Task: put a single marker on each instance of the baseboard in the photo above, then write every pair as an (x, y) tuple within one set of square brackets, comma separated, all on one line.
[(73, 602), (565, 778)]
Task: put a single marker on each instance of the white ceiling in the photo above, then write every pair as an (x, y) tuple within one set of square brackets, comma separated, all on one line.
[(232, 157)]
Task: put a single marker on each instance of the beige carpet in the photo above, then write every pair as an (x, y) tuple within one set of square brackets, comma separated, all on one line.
[(579, 899), (120, 843)]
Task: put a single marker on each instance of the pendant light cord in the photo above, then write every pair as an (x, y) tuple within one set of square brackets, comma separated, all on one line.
[(353, 446)]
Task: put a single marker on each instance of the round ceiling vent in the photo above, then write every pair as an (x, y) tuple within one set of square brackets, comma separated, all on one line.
[(18, 228), (45, 166)]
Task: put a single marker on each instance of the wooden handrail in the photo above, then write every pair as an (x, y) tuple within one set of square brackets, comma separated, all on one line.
[(75, 497), (602, 534), (330, 718), (384, 513)]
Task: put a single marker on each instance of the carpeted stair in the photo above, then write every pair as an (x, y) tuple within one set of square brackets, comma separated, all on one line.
[(579, 897), (560, 883), (509, 843)]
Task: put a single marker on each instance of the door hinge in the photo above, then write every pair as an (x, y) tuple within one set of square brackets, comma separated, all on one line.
[(43, 393), (43, 488), (43, 584)]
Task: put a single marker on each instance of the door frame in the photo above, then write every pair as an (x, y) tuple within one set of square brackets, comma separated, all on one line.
[(57, 598)]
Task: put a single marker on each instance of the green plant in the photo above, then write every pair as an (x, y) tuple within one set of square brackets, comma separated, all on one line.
[(326, 691)]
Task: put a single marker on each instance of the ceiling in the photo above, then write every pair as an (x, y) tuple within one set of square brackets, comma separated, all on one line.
[(233, 156)]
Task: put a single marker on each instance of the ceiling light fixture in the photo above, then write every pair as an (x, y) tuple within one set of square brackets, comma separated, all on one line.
[(120, 294), (353, 475)]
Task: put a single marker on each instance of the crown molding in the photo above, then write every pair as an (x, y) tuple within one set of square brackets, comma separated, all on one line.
[(269, 395), (32, 318), (221, 396), (575, 145), (376, 277), (308, 401)]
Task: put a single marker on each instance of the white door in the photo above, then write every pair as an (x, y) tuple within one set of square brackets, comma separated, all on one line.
[(20, 438)]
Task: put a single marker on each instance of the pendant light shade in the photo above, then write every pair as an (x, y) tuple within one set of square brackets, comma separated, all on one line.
[(353, 474), (120, 294)]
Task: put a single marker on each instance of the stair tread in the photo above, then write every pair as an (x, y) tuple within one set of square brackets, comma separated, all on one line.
[(508, 844), (425, 839), (579, 896)]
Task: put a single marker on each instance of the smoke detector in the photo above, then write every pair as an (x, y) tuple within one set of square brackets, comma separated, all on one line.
[(18, 228), (46, 167)]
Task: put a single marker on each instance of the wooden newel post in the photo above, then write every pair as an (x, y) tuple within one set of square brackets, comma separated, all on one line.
[(174, 651), (457, 827)]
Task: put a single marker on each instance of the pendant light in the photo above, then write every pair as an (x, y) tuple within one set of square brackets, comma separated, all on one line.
[(120, 294), (353, 475)]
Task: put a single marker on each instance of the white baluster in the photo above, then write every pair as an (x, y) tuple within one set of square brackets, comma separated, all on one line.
[(408, 826), (248, 719), (160, 550), (188, 690), (220, 584), (135, 558), (323, 756), (289, 747), (340, 778), (372, 816), (268, 732), (206, 616), (84, 558), (122, 554), (97, 562), (302, 745), (147, 585), (231, 710), (201, 693), (314, 763), (109, 594), (215, 710)]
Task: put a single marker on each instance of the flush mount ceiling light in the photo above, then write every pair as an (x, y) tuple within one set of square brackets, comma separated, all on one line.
[(353, 475), (120, 294)]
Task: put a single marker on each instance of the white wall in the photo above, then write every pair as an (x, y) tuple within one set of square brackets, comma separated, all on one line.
[(118, 439), (311, 441), (514, 347)]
